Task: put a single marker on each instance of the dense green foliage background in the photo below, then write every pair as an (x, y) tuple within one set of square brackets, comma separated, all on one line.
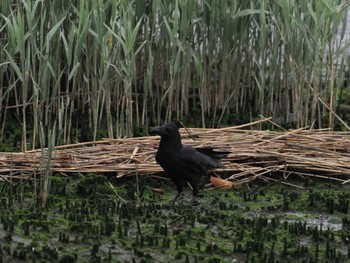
[(80, 70)]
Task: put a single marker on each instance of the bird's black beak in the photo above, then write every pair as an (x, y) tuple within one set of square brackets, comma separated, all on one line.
[(165, 131), (156, 131)]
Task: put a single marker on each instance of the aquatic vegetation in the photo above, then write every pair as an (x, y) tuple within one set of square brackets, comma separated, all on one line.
[(246, 224)]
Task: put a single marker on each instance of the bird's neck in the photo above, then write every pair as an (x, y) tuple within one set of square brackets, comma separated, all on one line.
[(172, 145)]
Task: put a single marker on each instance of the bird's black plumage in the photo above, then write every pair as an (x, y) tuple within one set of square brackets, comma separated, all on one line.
[(183, 162)]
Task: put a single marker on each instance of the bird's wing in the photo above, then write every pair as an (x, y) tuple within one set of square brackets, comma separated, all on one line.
[(217, 155), (197, 159)]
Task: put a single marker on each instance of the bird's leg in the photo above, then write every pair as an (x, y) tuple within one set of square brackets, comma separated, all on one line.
[(175, 198), (179, 191), (195, 199)]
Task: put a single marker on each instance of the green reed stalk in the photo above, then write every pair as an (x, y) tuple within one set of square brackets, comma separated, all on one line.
[(102, 68)]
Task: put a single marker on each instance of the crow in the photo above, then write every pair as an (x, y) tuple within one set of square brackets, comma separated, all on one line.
[(183, 162)]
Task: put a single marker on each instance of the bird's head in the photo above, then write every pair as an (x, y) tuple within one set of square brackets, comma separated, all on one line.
[(167, 132)]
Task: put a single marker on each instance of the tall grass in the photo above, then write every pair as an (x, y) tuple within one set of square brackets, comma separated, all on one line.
[(106, 67)]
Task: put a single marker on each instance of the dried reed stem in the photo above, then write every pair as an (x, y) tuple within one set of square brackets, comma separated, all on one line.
[(322, 154)]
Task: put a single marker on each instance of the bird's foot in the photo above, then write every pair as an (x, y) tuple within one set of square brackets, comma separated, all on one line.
[(195, 200), (177, 197)]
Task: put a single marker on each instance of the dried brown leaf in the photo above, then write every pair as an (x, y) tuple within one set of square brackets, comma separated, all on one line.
[(221, 183), (157, 190)]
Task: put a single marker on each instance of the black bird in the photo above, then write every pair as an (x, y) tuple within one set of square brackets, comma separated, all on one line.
[(183, 162)]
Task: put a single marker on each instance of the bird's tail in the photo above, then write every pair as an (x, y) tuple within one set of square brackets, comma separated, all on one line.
[(213, 154)]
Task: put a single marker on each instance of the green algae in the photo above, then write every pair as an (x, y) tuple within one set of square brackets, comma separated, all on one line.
[(86, 221)]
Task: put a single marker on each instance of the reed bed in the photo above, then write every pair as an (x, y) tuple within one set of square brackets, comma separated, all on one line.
[(108, 66), (266, 155)]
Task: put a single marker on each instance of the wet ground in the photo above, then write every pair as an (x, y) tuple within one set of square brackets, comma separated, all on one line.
[(94, 218)]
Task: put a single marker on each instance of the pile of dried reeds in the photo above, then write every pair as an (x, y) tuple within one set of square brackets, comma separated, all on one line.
[(268, 155)]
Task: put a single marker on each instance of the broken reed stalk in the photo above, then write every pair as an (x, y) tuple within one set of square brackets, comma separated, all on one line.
[(256, 154)]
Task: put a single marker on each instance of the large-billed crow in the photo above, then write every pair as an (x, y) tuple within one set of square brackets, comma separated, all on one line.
[(183, 162)]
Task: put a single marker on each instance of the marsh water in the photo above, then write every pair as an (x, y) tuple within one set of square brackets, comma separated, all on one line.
[(86, 220)]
